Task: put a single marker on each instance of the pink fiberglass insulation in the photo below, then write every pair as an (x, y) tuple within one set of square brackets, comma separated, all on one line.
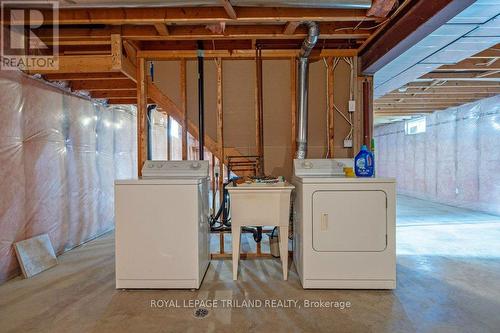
[(456, 161), (59, 157)]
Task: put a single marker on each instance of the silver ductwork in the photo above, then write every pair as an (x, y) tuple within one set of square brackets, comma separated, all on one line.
[(303, 87)]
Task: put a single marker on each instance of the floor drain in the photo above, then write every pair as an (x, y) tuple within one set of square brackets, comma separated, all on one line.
[(200, 313)]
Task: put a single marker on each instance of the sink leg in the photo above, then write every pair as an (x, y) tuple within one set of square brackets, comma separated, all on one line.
[(236, 231), (283, 240)]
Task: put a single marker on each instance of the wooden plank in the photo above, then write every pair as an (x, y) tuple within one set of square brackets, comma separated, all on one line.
[(471, 65), (220, 127), (116, 51), (238, 54), (127, 101), (450, 76), (293, 30), (437, 95), (96, 85), (291, 27), (184, 123), (85, 76), (115, 94), (142, 105), (293, 113), (195, 15), (162, 29), (81, 64), (331, 108), (381, 8), (259, 112), (229, 9), (463, 84), (452, 90), (416, 21)]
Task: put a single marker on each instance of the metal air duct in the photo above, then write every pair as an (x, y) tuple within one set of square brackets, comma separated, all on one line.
[(303, 82)]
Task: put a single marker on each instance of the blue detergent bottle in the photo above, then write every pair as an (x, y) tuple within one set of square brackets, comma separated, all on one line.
[(363, 163)]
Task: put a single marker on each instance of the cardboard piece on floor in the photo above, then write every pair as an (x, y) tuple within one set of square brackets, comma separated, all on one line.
[(35, 255)]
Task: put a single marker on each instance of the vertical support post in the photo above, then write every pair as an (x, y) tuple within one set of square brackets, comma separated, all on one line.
[(220, 143), (142, 114), (201, 102), (184, 109), (220, 127), (331, 108), (358, 114), (259, 110), (116, 51), (367, 112), (293, 94)]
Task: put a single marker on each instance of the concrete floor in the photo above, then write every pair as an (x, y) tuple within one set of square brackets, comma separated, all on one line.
[(448, 281)]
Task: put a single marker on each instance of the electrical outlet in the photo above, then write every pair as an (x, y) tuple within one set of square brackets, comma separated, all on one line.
[(352, 106), (347, 143)]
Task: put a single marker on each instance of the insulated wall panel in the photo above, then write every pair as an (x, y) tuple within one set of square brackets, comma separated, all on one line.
[(454, 162), (59, 156)]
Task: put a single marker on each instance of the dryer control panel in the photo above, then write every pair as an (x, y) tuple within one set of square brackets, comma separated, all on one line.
[(175, 169), (321, 167)]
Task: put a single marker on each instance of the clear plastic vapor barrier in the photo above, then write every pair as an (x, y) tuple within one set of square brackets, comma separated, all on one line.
[(59, 157), (454, 161)]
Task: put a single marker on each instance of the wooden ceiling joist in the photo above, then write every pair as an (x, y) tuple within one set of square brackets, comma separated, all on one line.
[(229, 9), (242, 54), (472, 65), (198, 15), (337, 30), (106, 85)]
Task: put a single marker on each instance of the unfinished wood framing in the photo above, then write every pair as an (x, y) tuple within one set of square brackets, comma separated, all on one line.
[(184, 122), (142, 114), (259, 111), (220, 128), (331, 108), (293, 111)]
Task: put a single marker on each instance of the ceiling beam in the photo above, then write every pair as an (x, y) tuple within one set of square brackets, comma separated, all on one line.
[(196, 15), (416, 21), (240, 54), (229, 9), (194, 32)]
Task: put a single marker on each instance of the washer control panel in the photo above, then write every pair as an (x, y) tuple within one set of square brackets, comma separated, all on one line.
[(178, 169)]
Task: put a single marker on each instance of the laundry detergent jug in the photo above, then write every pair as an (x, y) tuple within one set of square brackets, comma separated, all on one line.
[(363, 163)]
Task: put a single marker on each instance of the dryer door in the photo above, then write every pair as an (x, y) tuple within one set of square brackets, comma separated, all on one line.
[(349, 221)]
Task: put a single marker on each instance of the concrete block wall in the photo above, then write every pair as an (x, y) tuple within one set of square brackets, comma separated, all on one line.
[(456, 161)]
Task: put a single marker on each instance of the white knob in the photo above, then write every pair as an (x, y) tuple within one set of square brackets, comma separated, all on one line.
[(195, 165)]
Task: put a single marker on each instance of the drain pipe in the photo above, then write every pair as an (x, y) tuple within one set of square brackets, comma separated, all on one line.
[(303, 81)]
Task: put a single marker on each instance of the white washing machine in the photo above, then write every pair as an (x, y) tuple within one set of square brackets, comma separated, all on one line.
[(344, 228), (162, 228)]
